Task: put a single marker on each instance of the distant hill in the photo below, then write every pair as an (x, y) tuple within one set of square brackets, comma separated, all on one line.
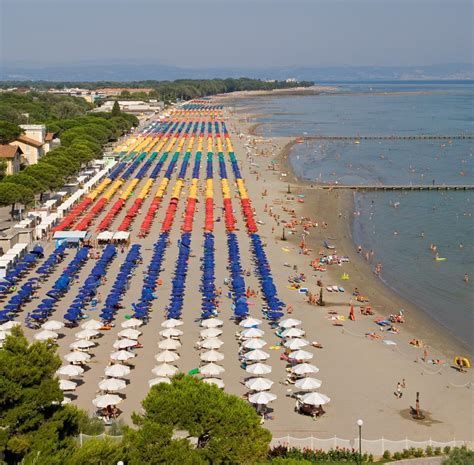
[(134, 72)]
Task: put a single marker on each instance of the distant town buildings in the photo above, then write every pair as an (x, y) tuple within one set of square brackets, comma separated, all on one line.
[(133, 106), (92, 95)]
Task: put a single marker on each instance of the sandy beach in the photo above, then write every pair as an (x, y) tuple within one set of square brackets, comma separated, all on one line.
[(358, 373)]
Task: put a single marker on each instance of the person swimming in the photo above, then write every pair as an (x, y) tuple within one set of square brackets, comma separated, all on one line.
[(466, 278)]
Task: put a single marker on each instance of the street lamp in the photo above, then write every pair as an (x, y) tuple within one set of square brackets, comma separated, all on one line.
[(359, 424)]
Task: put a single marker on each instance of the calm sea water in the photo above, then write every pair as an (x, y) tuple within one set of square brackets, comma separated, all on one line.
[(398, 226)]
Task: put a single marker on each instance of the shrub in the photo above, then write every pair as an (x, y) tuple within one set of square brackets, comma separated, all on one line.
[(460, 456), (419, 452), (397, 456), (429, 451), (447, 449), (387, 455), (437, 451)]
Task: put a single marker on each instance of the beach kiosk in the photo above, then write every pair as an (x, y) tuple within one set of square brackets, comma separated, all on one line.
[(72, 238)]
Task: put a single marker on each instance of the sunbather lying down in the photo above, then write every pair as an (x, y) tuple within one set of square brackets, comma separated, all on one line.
[(317, 345), (373, 336)]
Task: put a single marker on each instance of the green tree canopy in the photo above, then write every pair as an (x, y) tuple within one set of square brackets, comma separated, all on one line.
[(9, 132), (116, 109)]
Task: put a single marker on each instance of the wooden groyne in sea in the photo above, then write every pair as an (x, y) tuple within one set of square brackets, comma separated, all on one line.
[(394, 137)]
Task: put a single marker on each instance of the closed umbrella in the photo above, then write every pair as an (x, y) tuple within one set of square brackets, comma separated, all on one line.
[(256, 355), (211, 323), (296, 343), (124, 344), (70, 370), (92, 324), (117, 371), (171, 332), (211, 369), (167, 356), (45, 335), (106, 400), (308, 384), (216, 381), (171, 323), (258, 369), (112, 385), (122, 355), (293, 332), (131, 323), (252, 332), (212, 343), (212, 356), (301, 355), (250, 322), (259, 384), (77, 357), (154, 381), (130, 333), (304, 369), (210, 332), (164, 370), (169, 344), (66, 385), (87, 334), (254, 343), (81, 344), (53, 325), (289, 323), (314, 398), (262, 398)]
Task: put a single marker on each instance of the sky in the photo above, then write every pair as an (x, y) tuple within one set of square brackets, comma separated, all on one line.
[(237, 33)]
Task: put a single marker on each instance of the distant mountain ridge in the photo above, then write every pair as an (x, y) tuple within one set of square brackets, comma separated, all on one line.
[(140, 72)]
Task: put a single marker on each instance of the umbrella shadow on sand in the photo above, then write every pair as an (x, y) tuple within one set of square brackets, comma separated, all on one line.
[(426, 418)]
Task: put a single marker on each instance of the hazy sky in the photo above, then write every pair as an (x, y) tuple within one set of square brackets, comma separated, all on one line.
[(240, 33)]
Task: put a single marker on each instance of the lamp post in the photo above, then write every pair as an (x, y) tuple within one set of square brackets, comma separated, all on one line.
[(359, 424)]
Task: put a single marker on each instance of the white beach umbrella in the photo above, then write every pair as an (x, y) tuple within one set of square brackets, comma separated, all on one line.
[(66, 385), (212, 343), (82, 344), (124, 343), (167, 356), (92, 324), (258, 369), (216, 381), (129, 333), (289, 323), (308, 384), (77, 357), (106, 400), (117, 371), (293, 332), (304, 369), (211, 369), (169, 344), (66, 400), (3, 335), (155, 381), (250, 322), (171, 323), (9, 325), (87, 334), (301, 355), (296, 343), (164, 370), (171, 332), (112, 384), (254, 343), (211, 323), (262, 398), (314, 398), (122, 355), (259, 384), (131, 323), (252, 332), (212, 356), (45, 335), (53, 325), (256, 355), (70, 370), (210, 332)]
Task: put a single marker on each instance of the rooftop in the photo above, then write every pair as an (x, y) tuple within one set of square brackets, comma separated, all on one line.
[(9, 151)]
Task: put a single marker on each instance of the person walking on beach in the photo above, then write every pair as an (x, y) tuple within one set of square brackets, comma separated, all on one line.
[(398, 393)]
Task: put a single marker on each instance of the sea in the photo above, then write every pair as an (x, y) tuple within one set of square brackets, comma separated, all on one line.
[(400, 227)]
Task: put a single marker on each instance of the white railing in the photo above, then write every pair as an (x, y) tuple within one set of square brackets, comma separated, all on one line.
[(374, 447)]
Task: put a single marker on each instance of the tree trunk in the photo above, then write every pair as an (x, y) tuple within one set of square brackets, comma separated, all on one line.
[(12, 212)]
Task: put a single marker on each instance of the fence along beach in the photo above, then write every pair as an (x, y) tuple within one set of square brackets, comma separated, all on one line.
[(230, 192)]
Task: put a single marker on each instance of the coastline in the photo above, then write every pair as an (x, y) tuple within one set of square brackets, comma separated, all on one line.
[(384, 299)]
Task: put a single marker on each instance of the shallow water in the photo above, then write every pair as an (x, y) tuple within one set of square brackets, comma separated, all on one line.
[(394, 233)]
